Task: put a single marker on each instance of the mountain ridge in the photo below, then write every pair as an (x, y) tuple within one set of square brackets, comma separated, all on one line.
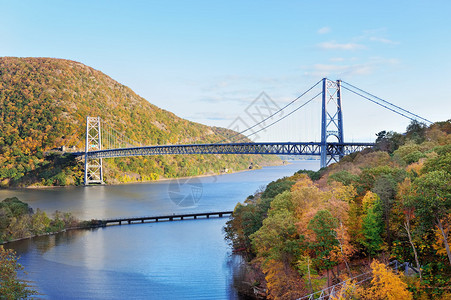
[(44, 103)]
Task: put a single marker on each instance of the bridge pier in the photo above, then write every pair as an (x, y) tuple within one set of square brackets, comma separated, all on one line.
[(93, 166)]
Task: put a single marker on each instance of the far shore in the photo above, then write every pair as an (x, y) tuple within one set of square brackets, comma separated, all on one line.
[(282, 162)]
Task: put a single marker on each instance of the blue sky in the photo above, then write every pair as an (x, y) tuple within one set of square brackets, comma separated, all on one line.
[(207, 61)]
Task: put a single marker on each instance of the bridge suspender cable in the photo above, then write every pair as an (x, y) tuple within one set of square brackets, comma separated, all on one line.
[(277, 121), (269, 117), (396, 108)]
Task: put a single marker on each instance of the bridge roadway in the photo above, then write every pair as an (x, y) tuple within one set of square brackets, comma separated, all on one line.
[(312, 148), (173, 217)]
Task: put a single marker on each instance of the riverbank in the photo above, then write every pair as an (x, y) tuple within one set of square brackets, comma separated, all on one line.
[(164, 179)]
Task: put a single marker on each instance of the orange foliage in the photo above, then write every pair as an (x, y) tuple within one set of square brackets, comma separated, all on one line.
[(415, 167), (282, 281)]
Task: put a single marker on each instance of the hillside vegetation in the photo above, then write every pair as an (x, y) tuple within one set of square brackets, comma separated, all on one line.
[(44, 103), (314, 229)]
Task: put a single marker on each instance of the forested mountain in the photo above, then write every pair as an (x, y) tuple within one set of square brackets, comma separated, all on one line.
[(44, 103), (311, 230)]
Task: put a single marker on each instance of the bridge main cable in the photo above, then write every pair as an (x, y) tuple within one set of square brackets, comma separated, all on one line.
[(285, 116), (269, 117), (397, 110)]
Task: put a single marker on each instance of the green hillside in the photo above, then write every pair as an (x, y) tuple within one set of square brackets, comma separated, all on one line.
[(306, 232), (44, 103)]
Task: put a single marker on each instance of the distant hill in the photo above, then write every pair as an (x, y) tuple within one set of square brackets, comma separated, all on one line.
[(44, 103)]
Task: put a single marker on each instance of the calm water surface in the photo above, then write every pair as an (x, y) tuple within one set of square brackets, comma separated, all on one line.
[(167, 260)]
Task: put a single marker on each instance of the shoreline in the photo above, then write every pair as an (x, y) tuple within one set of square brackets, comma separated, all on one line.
[(49, 234), (283, 162)]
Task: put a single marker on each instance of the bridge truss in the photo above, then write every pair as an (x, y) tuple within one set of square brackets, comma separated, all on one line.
[(93, 166), (302, 149)]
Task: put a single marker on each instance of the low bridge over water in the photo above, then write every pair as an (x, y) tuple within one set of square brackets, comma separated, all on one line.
[(173, 217)]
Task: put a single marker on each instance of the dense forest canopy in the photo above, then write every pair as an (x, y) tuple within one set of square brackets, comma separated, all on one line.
[(44, 103), (314, 229)]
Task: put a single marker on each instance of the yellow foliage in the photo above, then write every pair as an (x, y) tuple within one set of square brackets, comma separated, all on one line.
[(438, 245), (351, 290), (305, 197), (369, 199), (337, 200), (386, 285), (345, 192), (302, 180)]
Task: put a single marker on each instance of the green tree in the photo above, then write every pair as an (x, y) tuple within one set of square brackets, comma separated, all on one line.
[(406, 205), (388, 141), (372, 223), (246, 220), (385, 188), (416, 131), (323, 226), (344, 177), (10, 286), (40, 222), (278, 239), (440, 162), (433, 202)]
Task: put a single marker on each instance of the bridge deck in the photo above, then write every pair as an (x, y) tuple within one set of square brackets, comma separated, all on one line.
[(311, 148), (173, 217)]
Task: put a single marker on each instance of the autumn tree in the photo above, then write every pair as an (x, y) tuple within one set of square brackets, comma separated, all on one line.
[(433, 203), (385, 284), (278, 238), (323, 226), (385, 188), (282, 281), (344, 250), (11, 287), (313, 280), (406, 204)]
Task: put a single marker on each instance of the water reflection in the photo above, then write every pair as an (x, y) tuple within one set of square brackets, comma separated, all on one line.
[(168, 260)]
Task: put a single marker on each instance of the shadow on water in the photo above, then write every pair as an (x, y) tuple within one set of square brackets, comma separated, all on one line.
[(44, 243)]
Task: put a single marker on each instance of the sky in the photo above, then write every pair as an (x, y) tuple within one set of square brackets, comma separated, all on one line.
[(207, 61)]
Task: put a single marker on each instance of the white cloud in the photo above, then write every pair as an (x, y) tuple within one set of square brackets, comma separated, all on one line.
[(351, 67), (384, 61), (339, 46), (324, 30), (324, 70), (383, 40), (336, 59)]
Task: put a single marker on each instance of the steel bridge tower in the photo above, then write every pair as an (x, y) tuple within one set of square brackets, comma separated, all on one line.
[(93, 166), (331, 120)]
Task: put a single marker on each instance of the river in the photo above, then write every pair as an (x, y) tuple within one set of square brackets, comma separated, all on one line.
[(166, 260)]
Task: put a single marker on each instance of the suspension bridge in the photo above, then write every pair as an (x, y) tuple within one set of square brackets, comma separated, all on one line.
[(104, 142)]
